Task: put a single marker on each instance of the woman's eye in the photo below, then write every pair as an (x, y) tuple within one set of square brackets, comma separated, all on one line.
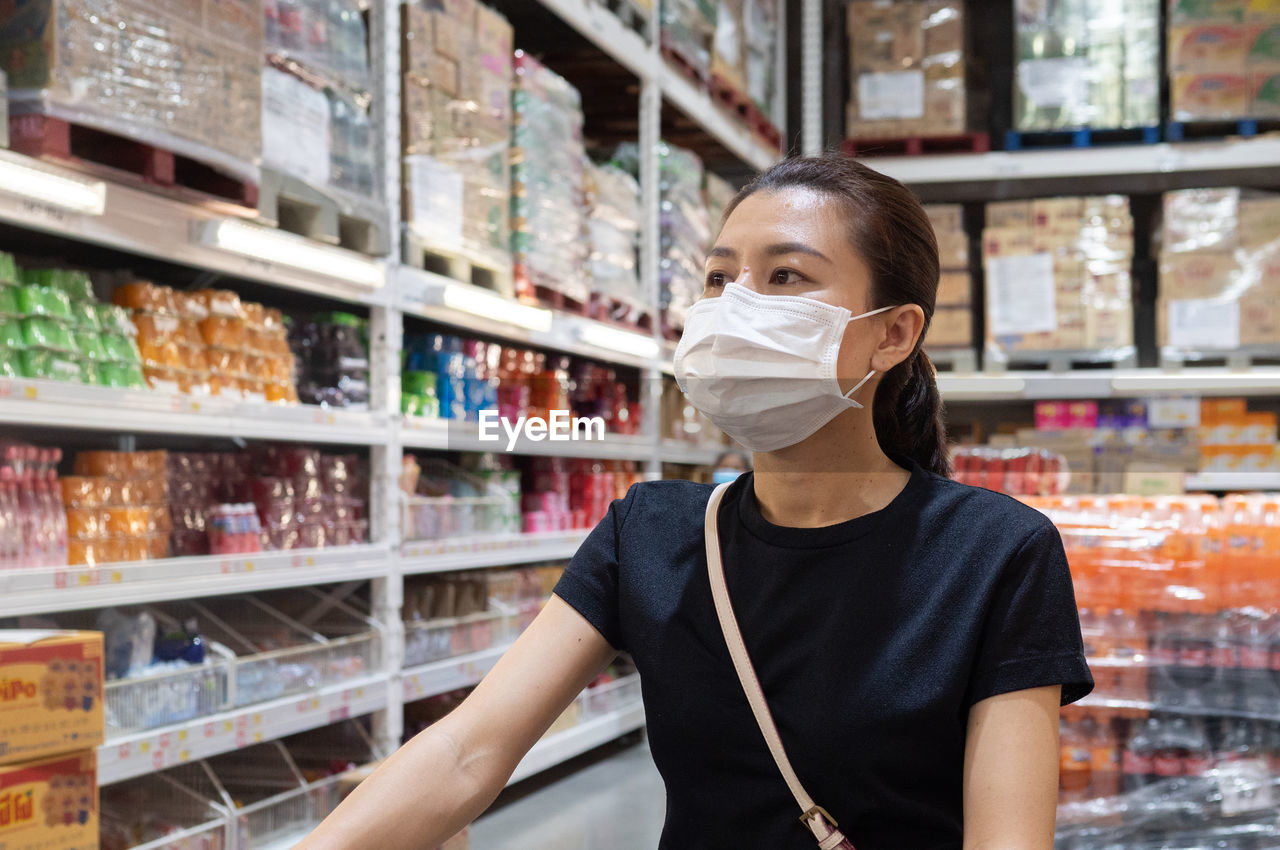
[(717, 279), (782, 277)]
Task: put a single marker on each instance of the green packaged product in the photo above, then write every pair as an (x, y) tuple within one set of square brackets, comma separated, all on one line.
[(9, 272), (11, 334), (43, 301), (9, 301), (49, 365), (410, 404), (84, 315), (89, 344), (418, 382), (118, 348), (113, 319), (10, 363), (121, 376), (88, 372), (44, 332)]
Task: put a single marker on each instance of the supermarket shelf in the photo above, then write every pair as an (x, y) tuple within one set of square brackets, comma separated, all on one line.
[(74, 588), (1122, 160), (674, 451), (62, 405), (455, 436), (1093, 701), (469, 553), (441, 677), (562, 746), (157, 749), (1108, 383), (153, 225), (422, 293), (698, 106), (1233, 481)]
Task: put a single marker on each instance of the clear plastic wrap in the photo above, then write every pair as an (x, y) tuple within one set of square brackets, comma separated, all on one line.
[(182, 76), (760, 37), (1223, 61), (457, 107), (907, 67), (1219, 274), (688, 28), (548, 216), (326, 37), (1087, 63), (1058, 279), (613, 199)]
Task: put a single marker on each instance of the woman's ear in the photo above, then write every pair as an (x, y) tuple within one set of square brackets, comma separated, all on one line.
[(903, 327)]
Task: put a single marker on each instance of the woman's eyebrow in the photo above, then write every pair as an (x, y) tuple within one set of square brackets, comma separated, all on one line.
[(722, 251), (780, 248)]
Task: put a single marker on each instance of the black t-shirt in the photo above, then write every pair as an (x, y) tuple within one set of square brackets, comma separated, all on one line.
[(871, 638)]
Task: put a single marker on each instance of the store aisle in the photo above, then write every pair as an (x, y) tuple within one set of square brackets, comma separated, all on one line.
[(617, 802)]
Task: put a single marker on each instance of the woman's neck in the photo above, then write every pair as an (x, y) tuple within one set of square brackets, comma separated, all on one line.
[(838, 474)]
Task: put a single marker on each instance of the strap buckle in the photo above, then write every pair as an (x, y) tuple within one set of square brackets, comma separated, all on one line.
[(815, 810)]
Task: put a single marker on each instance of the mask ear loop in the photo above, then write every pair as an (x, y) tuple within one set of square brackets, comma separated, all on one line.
[(872, 373)]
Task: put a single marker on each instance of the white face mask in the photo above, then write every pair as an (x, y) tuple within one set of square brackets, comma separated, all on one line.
[(763, 367)]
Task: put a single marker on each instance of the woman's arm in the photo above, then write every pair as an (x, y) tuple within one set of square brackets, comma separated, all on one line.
[(1011, 771), (447, 776)]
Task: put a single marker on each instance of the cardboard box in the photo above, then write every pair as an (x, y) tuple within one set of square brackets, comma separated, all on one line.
[(951, 327), (454, 35), (1198, 274), (50, 693), (1204, 49), (955, 289), (885, 35), (1207, 11), (1212, 96), (1001, 214), (1264, 94), (50, 804)]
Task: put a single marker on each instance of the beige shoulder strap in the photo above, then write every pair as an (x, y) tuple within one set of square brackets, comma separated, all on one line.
[(819, 822)]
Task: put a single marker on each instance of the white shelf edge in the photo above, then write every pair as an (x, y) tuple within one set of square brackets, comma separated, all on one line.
[(562, 746), (77, 588), (458, 436), (1234, 481), (1107, 383), (1165, 157), (73, 405), (674, 451), (156, 749), (698, 107), (469, 553), (449, 674)]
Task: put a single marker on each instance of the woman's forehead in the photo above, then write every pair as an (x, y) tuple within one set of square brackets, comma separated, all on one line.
[(791, 213)]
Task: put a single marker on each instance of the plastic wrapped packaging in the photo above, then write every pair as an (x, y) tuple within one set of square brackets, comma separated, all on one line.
[(613, 201), (688, 29), (1058, 278), (1087, 63), (548, 213), (184, 77), (457, 97), (1223, 61), (760, 45), (908, 64), (332, 356), (1219, 274), (327, 37)]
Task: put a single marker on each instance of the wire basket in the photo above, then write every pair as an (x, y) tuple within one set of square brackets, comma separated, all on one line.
[(138, 704), (426, 641), (612, 696), (163, 811), (472, 506)]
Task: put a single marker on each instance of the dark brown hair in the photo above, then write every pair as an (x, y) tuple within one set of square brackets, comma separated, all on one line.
[(889, 229)]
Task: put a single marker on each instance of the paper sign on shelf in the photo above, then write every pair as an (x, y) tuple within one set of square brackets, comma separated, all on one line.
[(891, 95), (295, 127), (1204, 323), (1021, 294), (436, 192), (1054, 82)]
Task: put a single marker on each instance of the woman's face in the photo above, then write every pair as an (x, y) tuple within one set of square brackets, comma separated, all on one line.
[(795, 241), (734, 462)]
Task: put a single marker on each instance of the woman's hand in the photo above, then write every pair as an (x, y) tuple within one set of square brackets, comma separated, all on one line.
[(447, 776), (1011, 771)]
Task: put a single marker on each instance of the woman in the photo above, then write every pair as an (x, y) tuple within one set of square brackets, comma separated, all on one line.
[(728, 466), (914, 637)]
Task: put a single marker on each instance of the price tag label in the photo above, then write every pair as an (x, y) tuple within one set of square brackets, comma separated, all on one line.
[(209, 730), (123, 751), (340, 713), (29, 393)]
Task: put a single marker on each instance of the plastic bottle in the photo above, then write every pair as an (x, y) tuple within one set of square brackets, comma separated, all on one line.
[(10, 529), (1137, 761), (1258, 692), (1105, 759), (1074, 762), (57, 520), (1192, 671), (1238, 742), (1223, 690), (1197, 754), (1170, 751), (1164, 658)]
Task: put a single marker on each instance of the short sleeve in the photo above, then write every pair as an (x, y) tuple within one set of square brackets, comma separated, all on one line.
[(590, 582), (1031, 636)]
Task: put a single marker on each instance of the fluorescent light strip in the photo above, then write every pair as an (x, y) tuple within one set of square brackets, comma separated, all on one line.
[(481, 302), (961, 385), (287, 249), (624, 342), (81, 196), (1193, 380)]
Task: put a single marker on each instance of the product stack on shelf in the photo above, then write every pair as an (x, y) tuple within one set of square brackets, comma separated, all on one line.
[(952, 325), (117, 507), (457, 85), (1083, 64), (442, 501), (1234, 439), (613, 202), (1058, 278), (332, 355), (548, 216), (688, 28), (1178, 746), (908, 70), (1219, 274), (1223, 61)]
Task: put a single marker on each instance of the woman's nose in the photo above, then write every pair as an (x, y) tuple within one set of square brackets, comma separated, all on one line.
[(747, 279)]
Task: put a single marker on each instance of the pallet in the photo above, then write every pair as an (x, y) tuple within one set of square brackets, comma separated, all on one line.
[(491, 273), (1237, 360), (1054, 361), (954, 360), (325, 215), (120, 157), (744, 109), (1084, 137), (1180, 131), (918, 145), (554, 298), (624, 314), (677, 60)]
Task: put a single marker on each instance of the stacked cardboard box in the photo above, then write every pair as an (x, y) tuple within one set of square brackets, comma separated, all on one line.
[(185, 76), (1235, 439), (51, 719), (688, 28), (1224, 60), (457, 84), (907, 65), (1058, 276), (952, 325), (1081, 63), (1219, 271)]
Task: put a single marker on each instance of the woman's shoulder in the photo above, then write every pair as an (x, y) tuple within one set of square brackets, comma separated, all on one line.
[(668, 496), (964, 505)]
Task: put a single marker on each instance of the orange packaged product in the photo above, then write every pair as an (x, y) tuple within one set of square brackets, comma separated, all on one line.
[(281, 393), (223, 332), (255, 341), (221, 303), (144, 297), (157, 545), (154, 491), (225, 386), (161, 519), (272, 319), (164, 380), (254, 313), (86, 523), (224, 361), (81, 491), (278, 369), (128, 522), (254, 390), (257, 368), (192, 358), (134, 549), (153, 464), (101, 464), (152, 326), (188, 332), (190, 306), (126, 494), (160, 352), (198, 382), (90, 553)]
